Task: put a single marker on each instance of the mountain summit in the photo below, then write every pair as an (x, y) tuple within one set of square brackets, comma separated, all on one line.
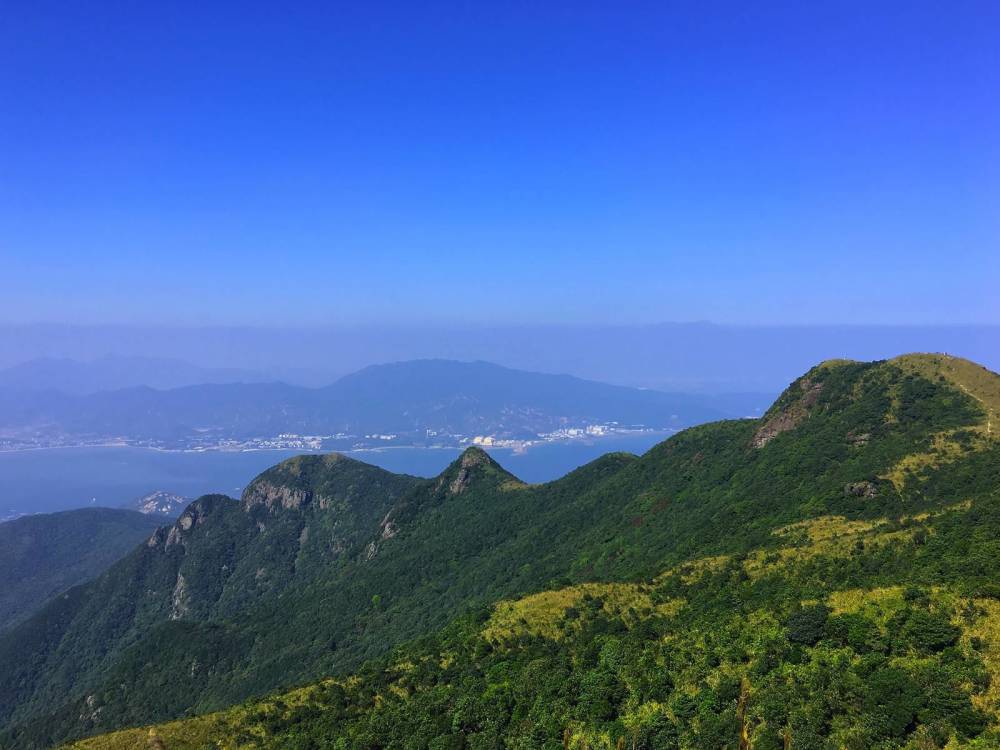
[(475, 468)]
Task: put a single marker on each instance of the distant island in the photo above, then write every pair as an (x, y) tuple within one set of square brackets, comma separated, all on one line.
[(159, 503)]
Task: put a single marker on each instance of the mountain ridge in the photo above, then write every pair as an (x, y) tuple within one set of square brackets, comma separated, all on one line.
[(705, 492), (65, 375)]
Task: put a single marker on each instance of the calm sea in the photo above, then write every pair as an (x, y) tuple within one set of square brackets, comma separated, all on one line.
[(64, 478)]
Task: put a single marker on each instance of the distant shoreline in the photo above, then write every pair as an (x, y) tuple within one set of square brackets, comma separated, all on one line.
[(528, 445), (153, 448), (54, 478)]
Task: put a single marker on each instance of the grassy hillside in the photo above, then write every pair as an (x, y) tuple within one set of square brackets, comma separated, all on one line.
[(45, 554), (719, 522)]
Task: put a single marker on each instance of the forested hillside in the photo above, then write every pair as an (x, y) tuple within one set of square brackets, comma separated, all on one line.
[(821, 577), (842, 634), (45, 554)]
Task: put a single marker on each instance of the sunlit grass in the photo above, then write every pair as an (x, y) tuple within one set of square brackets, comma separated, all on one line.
[(545, 614)]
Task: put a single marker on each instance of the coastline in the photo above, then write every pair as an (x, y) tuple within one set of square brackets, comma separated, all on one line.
[(521, 447), (53, 478)]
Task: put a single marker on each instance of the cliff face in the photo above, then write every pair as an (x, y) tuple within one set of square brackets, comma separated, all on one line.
[(797, 402), (789, 415), (275, 496)]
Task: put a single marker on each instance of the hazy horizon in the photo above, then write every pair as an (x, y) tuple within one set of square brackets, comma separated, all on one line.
[(695, 357), (301, 194)]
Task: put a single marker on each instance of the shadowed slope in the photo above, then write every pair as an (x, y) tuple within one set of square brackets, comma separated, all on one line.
[(45, 554)]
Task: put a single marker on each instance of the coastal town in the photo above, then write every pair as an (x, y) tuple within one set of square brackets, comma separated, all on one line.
[(333, 442)]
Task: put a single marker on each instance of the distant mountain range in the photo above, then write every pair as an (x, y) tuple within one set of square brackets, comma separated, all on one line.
[(673, 357), (402, 403), (112, 373), (43, 555)]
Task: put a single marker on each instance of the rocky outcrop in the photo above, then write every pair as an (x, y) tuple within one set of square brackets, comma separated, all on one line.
[(193, 515), (471, 459), (196, 514), (389, 528), (864, 489), (158, 538), (858, 440), (91, 709), (179, 606), (789, 416), (274, 496)]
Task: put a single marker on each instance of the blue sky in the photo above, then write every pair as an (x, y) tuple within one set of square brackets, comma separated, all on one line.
[(504, 162)]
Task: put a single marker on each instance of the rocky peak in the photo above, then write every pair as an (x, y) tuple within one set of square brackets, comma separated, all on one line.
[(472, 467), (196, 514), (320, 479), (470, 460)]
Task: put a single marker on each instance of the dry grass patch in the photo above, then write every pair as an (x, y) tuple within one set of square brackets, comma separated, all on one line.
[(972, 379), (545, 613), (987, 629)]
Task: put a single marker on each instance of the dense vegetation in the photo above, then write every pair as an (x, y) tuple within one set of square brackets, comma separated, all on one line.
[(852, 635), (45, 554), (821, 577)]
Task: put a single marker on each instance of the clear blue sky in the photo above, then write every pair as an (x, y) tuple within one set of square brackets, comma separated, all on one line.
[(511, 161)]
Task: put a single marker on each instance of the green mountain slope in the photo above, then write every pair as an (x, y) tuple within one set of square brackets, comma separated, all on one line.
[(302, 518), (832, 445), (840, 634), (45, 554)]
